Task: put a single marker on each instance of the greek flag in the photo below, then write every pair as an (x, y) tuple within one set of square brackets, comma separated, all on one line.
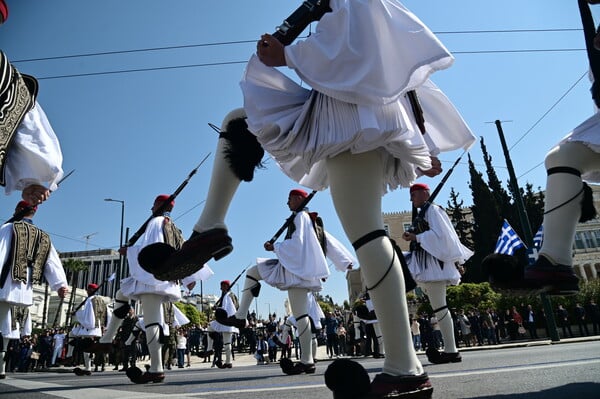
[(538, 239), (508, 241)]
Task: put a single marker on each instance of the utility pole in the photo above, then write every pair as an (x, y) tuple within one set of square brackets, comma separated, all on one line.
[(527, 234)]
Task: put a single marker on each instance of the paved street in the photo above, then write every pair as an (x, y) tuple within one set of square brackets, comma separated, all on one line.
[(535, 370)]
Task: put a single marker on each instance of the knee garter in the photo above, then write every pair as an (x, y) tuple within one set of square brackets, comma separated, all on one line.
[(588, 212)]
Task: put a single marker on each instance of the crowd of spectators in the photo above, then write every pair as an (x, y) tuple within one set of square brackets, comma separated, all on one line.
[(266, 340)]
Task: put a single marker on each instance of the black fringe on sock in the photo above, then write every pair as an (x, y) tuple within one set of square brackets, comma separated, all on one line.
[(243, 152), (588, 212)]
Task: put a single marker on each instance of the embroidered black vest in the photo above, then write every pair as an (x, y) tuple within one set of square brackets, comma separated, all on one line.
[(99, 307), (172, 234), (30, 248)]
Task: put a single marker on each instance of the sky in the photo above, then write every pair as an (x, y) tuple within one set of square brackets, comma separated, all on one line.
[(130, 87)]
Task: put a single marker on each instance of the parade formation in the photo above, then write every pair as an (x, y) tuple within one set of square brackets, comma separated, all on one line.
[(367, 120)]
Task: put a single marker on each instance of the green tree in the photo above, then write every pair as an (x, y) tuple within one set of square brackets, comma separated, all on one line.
[(191, 312), (471, 296), (456, 212), (486, 224)]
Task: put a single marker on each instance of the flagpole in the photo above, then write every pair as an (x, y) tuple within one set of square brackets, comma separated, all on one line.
[(546, 303)]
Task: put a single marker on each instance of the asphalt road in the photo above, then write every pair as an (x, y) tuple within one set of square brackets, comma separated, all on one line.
[(570, 369)]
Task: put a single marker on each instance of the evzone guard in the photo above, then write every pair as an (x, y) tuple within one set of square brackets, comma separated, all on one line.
[(142, 286), (299, 269), (358, 139), (228, 304), (27, 257)]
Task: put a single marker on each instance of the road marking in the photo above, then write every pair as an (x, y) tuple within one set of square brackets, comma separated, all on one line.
[(68, 392)]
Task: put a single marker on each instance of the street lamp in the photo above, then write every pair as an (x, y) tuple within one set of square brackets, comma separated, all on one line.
[(120, 267)]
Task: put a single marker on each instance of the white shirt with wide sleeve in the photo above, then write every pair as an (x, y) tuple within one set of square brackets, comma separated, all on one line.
[(34, 156), (301, 262), (443, 244)]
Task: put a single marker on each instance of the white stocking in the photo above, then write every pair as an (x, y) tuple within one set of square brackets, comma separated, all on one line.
[(209, 340), (113, 325), (223, 185), (356, 184), (436, 291), (379, 337), (299, 303), (559, 224), (314, 345), (247, 296), (4, 323), (227, 346), (87, 361), (152, 309)]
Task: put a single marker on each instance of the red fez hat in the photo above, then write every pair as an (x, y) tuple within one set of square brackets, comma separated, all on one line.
[(25, 204), (419, 186), (163, 198), (92, 286), (300, 192), (3, 11), (226, 282)]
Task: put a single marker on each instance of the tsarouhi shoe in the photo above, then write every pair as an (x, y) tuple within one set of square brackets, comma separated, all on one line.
[(138, 377), (552, 279), (402, 386), (348, 379), (437, 357), (231, 321), (81, 372), (291, 368), (191, 257)]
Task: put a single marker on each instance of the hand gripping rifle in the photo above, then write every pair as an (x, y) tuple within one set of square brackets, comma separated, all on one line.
[(162, 207), (21, 214), (309, 11), (290, 219)]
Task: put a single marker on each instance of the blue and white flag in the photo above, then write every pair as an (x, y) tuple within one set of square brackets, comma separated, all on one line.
[(538, 239), (508, 241), (112, 277)]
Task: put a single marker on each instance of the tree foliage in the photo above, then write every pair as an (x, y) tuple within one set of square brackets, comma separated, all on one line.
[(192, 313)]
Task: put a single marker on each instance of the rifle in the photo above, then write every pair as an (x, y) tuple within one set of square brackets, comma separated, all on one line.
[(290, 219), (162, 207), (21, 214), (419, 222)]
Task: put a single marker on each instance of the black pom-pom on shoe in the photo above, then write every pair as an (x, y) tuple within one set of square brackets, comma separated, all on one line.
[(347, 379)]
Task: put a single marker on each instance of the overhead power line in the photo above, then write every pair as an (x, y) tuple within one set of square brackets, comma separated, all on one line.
[(235, 42)]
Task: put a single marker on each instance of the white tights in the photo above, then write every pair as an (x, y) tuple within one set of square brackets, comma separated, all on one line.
[(559, 225), (298, 298), (436, 291), (356, 183)]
